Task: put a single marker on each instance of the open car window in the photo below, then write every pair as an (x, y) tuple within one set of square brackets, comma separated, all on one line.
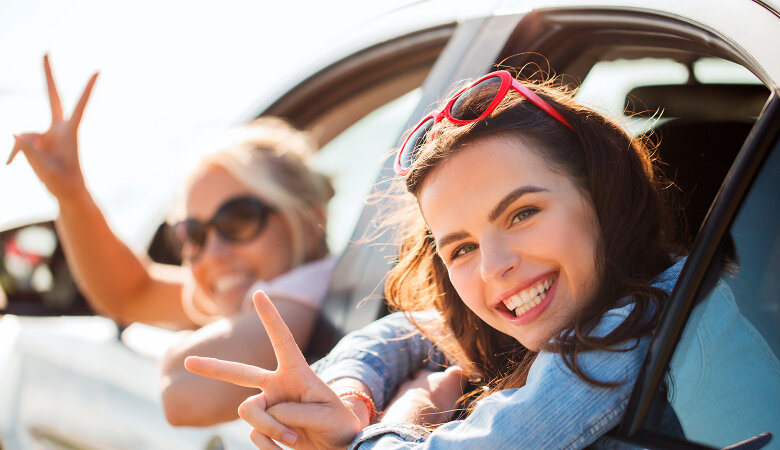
[(353, 160)]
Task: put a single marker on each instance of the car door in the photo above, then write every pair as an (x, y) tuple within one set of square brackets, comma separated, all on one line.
[(712, 378)]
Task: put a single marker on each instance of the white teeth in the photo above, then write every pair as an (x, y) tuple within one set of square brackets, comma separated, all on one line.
[(229, 282), (510, 302), (524, 301)]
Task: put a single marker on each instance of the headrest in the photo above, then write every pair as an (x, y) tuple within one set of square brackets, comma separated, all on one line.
[(701, 101)]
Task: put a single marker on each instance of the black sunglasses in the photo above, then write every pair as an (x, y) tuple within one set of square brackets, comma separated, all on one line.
[(239, 219)]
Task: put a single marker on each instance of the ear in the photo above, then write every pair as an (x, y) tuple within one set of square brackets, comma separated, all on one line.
[(321, 214), (317, 247)]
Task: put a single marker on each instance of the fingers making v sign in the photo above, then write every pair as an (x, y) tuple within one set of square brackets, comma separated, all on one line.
[(53, 154), (296, 407)]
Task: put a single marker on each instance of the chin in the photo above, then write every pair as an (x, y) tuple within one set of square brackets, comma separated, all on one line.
[(533, 346), (228, 306), (533, 343)]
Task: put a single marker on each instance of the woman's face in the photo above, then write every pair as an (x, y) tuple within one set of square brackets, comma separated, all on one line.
[(519, 240), (225, 270)]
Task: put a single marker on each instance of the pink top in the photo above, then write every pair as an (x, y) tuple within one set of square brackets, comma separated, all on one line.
[(306, 284)]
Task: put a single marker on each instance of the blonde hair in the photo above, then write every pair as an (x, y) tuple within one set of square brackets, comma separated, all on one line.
[(270, 159)]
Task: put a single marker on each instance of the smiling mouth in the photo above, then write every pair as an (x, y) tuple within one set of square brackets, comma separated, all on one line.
[(530, 298), (230, 282)]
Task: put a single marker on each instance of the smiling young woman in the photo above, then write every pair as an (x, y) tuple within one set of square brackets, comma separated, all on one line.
[(535, 259)]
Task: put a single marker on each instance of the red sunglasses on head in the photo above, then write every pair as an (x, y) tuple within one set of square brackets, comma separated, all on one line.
[(467, 106)]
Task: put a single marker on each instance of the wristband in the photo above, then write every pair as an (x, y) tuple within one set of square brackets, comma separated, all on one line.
[(372, 412)]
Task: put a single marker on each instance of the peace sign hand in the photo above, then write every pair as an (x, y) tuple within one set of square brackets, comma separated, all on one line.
[(296, 407), (53, 154)]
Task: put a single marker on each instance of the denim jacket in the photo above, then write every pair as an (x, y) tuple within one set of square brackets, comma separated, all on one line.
[(554, 408)]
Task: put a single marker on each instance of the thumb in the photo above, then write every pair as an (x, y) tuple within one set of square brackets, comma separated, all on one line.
[(451, 380), (456, 374), (27, 142), (17, 148)]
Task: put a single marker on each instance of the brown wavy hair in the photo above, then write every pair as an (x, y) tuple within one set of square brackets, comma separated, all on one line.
[(610, 168)]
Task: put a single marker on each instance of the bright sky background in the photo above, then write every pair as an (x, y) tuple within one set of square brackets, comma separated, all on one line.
[(173, 74)]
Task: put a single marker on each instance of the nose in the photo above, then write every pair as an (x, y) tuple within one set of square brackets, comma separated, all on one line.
[(214, 247), (497, 259)]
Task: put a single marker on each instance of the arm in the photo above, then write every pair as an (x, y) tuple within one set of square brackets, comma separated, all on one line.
[(239, 338), (429, 398), (554, 408), (115, 281), (382, 355)]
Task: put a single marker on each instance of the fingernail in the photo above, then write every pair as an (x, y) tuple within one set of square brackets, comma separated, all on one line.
[(289, 438)]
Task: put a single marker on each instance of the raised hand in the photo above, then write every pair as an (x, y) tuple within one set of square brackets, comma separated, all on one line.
[(296, 407), (53, 154)]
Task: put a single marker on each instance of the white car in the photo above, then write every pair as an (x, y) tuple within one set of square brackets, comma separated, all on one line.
[(702, 75)]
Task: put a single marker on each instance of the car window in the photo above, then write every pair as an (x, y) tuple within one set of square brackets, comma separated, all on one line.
[(34, 276), (24, 258), (697, 110), (608, 83), (353, 160), (723, 382)]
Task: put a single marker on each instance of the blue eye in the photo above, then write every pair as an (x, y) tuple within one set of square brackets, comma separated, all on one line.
[(524, 214), (462, 250)]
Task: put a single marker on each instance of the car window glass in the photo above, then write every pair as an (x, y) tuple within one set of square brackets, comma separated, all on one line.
[(34, 276), (723, 381), (24, 266), (716, 70), (353, 159)]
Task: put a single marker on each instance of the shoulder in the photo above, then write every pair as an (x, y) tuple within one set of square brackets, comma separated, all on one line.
[(306, 284), (668, 278)]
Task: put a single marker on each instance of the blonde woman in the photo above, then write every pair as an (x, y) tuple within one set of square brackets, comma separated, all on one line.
[(252, 214)]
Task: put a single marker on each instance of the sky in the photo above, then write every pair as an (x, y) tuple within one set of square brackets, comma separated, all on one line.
[(173, 75)]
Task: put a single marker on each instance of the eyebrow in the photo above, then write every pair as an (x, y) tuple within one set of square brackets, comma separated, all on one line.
[(510, 198), (452, 237), (494, 214)]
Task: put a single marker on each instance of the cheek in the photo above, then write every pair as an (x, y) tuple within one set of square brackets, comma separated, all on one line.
[(198, 270), (576, 240), (468, 285), (271, 253)]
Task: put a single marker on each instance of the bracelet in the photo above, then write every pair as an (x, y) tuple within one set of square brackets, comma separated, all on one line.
[(372, 412)]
